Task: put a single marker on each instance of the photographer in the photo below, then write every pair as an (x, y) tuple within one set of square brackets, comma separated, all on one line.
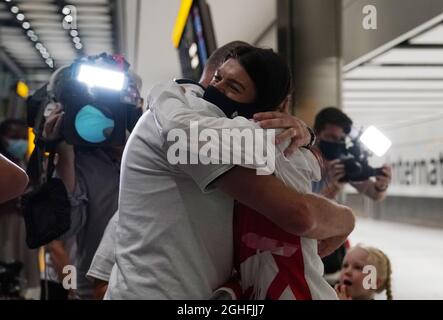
[(332, 126), (90, 170)]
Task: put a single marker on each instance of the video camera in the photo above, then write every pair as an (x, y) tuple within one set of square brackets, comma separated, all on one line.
[(353, 156), (100, 99)]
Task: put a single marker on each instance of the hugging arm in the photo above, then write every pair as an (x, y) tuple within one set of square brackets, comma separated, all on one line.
[(306, 215)]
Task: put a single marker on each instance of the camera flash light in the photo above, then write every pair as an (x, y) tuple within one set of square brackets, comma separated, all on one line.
[(375, 141)]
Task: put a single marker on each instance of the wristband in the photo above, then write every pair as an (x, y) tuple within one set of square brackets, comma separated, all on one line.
[(313, 138)]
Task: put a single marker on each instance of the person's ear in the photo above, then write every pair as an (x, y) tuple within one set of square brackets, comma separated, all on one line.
[(284, 106)]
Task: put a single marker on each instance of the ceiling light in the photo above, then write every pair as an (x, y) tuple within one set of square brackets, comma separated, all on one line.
[(68, 18), (45, 55), (74, 33), (30, 33), (78, 46), (76, 40), (26, 25), (15, 9), (66, 11), (34, 38), (38, 46), (20, 17)]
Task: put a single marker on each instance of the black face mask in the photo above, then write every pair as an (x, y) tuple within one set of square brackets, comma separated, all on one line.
[(230, 107), (332, 150)]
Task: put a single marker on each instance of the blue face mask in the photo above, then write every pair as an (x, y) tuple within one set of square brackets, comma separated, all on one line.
[(17, 148), (92, 125)]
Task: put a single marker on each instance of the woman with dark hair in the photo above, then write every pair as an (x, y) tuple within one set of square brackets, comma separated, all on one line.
[(254, 79), (270, 262)]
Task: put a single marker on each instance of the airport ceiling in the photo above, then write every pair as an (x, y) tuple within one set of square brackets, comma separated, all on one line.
[(40, 35), (395, 88), (401, 86)]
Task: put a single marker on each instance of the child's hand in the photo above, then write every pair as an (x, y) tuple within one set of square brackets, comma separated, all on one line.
[(342, 292)]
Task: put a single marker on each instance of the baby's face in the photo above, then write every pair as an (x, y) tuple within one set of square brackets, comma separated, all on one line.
[(352, 275)]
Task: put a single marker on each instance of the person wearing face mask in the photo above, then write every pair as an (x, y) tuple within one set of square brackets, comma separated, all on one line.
[(271, 263), (14, 146), (91, 176), (332, 126), (14, 140), (174, 233)]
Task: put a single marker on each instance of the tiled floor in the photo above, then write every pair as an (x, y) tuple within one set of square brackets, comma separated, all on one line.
[(416, 255)]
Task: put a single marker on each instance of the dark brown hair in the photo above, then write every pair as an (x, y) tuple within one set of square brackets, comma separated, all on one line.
[(269, 72)]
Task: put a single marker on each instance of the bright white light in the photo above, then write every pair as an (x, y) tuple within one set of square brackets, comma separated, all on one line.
[(76, 40), (99, 77), (375, 141), (34, 38), (20, 17), (15, 9), (50, 62), (193, 50), (45, 55), (66, 11), (78, 46), (68, 18), (26, 25), (38, 46), (30, 33), (74, 33), (195, 62)]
